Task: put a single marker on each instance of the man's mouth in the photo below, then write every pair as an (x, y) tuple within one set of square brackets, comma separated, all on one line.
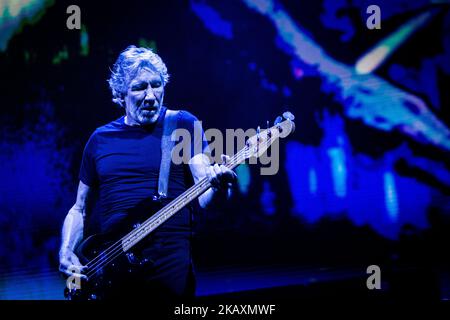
[(149, 108)]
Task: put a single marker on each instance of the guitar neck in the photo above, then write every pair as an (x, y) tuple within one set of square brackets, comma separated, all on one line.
[(254, 147), (135, 236), (271, 134)]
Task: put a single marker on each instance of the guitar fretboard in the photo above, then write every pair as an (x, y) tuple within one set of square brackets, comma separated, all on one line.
[(174, 206)]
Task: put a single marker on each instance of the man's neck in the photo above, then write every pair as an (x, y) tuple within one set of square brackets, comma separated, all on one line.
[(132, 123), (128, 122)]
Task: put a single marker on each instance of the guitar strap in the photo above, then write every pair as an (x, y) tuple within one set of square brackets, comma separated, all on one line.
[(167, 144)]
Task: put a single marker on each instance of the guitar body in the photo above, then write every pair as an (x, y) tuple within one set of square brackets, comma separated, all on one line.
[(109, 270), (109, 278), (98, 282)]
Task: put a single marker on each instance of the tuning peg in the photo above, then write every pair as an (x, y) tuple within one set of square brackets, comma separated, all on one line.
[(258, 130), (288, 116), (278, 120)]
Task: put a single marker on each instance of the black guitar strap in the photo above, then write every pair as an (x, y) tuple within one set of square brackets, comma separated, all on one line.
[(170, 124)]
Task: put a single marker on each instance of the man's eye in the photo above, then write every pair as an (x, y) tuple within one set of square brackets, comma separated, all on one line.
[(156, 84), (138, 87)]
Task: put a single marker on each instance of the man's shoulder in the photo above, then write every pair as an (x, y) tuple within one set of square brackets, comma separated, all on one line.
[(185, 117), (115, 125)]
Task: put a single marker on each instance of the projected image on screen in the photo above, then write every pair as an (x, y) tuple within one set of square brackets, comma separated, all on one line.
[(364, 179)]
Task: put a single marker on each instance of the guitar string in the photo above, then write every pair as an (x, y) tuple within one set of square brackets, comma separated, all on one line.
[(152, 219), (104, 255), (111, 253), (110, 256), (148, 222)]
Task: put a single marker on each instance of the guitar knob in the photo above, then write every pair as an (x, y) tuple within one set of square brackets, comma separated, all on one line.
[(278, 120), (288, 116), (269, 133)]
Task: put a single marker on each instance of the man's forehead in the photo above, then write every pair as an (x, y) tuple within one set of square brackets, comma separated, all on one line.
[(146, 74)]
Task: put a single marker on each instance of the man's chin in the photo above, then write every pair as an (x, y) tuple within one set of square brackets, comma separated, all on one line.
[(149, 119)]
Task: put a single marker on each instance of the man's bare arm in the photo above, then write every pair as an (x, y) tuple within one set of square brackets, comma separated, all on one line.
[(221, 178), (72, 231)]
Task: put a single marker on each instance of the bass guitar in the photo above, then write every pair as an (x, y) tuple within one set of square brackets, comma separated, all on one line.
[(104, 257)]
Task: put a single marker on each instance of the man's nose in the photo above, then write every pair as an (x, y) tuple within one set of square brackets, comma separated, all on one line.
[(149, 95)]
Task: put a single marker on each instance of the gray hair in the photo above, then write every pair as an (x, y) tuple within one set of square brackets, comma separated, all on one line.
[(127, 65)]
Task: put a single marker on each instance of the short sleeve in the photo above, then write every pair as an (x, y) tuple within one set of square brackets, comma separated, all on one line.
[(199, 144), (88, 170)]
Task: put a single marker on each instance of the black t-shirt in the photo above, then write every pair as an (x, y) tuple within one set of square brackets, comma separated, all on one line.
[(123, 162)]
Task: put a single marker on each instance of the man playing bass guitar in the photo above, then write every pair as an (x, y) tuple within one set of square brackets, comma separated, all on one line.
[(122, 162)]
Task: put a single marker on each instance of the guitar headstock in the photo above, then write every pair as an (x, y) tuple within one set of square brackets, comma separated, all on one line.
[(263, 139)]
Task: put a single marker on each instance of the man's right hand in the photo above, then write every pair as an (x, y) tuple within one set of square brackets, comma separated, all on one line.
[(69, 264)]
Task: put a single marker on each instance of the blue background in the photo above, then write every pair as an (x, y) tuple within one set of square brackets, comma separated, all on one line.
[(365, 178)]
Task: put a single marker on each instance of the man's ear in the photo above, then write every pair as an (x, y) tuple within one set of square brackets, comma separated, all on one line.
[(120, 102)]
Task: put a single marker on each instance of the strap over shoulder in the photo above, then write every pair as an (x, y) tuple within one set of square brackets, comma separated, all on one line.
[(170, 124)]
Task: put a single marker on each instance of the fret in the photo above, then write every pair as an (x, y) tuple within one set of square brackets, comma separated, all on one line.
[(254, 147), (196, 190)]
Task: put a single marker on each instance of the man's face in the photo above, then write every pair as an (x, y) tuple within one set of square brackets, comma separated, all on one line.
[(144, 98)]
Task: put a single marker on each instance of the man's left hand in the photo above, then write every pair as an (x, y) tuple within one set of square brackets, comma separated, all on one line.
[(220, 176)]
